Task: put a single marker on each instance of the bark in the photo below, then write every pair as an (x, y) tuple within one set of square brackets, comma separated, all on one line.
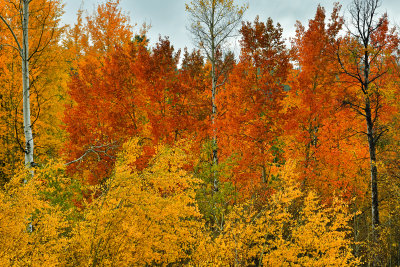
[(374, 170), (264, 174), (371, 141), (25, 87), (213, 103), (23, 49), (213, 117)]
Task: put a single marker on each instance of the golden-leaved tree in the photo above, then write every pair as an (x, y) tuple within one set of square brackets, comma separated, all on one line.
[(146, 217), (292, 229), (143, 217), (47, 83)]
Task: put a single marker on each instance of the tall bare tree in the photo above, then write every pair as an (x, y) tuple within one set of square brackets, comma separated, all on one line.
[(364, 57), (213, 22)]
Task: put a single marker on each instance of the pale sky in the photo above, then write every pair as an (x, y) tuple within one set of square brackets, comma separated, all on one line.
[(168, 17)]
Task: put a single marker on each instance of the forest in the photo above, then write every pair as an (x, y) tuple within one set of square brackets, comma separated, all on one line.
[(117, 152)]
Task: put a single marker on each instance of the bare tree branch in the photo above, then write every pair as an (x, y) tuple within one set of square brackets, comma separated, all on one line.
[(97, 150)]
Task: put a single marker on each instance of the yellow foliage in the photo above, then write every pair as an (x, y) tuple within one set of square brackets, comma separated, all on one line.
[(148, 217), (48, 77), (293, 229), (141, 217), (30, 229)]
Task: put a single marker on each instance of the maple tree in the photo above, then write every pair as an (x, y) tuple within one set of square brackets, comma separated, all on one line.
[(169, 115)]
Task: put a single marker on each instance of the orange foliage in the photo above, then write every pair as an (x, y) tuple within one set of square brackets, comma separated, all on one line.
[(122, 88), (252, 116), (321, 132)]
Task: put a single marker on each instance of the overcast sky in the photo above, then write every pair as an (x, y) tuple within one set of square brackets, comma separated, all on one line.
[(168, 17)]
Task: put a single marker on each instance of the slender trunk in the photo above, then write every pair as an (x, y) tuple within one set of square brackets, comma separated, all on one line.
[(214, 138), (371, 144), (25, 86), (264, 174), (214, 106), (374, 170)]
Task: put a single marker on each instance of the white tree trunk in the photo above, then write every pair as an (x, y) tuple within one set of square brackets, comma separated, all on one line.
[(25, 86)]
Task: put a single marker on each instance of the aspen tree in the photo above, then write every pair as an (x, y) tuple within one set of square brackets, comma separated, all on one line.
[(23, 49), (212, 23)]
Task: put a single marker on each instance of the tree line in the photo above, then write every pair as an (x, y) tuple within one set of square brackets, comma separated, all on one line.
[(147, 155)]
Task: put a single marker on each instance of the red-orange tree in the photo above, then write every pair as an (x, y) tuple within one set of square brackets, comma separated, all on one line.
[(121, 88), (97, 72), (252, 103), (320, 130)]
